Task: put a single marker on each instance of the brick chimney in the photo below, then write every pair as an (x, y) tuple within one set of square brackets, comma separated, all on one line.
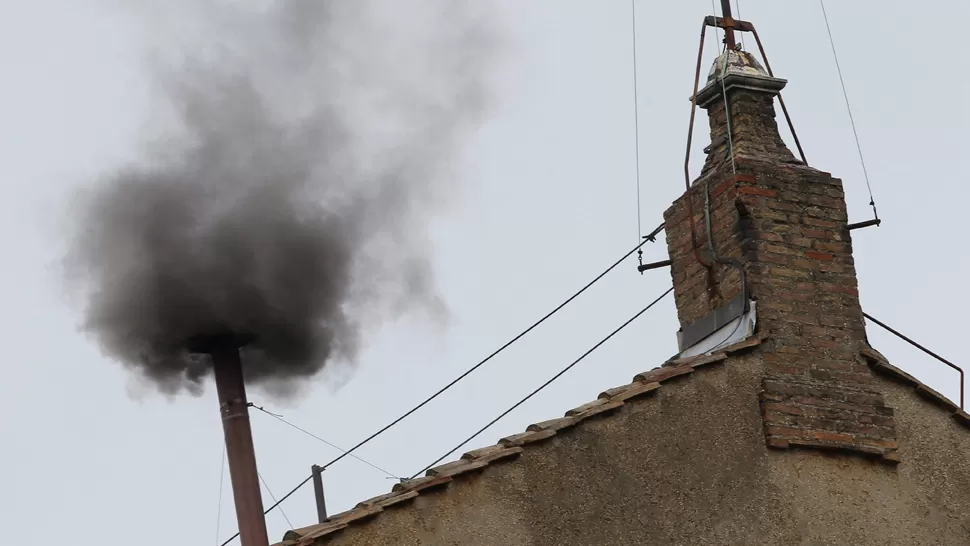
[(781, 226)]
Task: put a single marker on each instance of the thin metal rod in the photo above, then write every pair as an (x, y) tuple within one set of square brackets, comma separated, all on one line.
[(729, 24), (867, 223), (636, 119), (848, 107), (781, 101), (239, 445), (924, 349), (318, 493), (276, 504), (690, 138)]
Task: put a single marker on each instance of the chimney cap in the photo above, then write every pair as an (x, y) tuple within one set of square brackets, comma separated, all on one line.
[(738, 62), (740, 70)]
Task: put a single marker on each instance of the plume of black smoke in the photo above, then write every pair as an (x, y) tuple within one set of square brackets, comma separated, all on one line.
[(292, 204)]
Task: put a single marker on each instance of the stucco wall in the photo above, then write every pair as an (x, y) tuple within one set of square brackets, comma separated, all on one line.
[(690, 466)]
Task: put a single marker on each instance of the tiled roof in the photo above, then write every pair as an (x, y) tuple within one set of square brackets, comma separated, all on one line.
[(511, 447), (879, 364)]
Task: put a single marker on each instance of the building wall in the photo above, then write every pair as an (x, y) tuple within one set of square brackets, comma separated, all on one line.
[(690, 466)]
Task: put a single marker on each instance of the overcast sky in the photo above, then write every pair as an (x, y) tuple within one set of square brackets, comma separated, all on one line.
[(544, 199)]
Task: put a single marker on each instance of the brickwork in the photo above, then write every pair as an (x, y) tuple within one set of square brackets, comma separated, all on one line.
[(787, 224)]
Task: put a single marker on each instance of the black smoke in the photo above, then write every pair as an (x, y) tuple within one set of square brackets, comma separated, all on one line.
[(307, 143)]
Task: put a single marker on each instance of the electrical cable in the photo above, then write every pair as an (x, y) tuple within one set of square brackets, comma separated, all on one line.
[(492, 355), (546, 384), (275, 505), (848, 107), (636, 126), (314, 436), (270, 491), (407, 414)]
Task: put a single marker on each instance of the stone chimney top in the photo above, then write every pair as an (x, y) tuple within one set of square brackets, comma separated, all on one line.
[(741, 71)]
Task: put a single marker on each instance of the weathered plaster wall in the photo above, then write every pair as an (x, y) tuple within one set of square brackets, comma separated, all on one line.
[(690, 466)]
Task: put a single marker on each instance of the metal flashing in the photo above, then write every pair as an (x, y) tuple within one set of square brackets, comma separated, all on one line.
[(727, 325), (707, 325)]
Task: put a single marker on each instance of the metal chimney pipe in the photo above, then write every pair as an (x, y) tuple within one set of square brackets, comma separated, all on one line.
[(224, 350), (318, 493)]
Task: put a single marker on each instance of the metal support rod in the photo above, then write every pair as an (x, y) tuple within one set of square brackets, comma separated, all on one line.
[(239, 443), (318, 493), (654, 265), (781, 100), (867, 223), (925, 350), (728, 24), (690, 138)]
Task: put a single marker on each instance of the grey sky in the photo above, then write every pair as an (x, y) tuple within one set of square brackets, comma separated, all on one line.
[(544, 198)]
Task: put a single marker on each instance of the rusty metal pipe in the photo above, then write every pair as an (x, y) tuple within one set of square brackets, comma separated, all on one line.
[(234, 408), (318, 493), (690, 138), (654, 265), (781, 101), (868, 223), (924, 349), (728, 24)]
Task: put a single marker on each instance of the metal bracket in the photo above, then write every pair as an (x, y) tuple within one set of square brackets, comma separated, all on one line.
[(654, 265), (868, 223)]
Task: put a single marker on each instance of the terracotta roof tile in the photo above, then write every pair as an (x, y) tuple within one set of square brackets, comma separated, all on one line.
[(595, 407), (421, 484), (937, 398), (526, 438), (878, 363), (493, 453), (454, 468), (356, 514), (631, 391), (508, 448), (696, 361), (321, 530), (660, 375), (388, 499), (554, 424)]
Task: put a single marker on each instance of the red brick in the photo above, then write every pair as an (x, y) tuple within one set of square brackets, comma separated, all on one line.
[(784, 431), (803, 264), (818, 255), (822, 223), (818, 234), (833, 437), (743, 178), (754, 190)]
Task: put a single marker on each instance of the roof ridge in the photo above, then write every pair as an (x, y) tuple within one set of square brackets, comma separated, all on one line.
[(880, 365), (511, 447)]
